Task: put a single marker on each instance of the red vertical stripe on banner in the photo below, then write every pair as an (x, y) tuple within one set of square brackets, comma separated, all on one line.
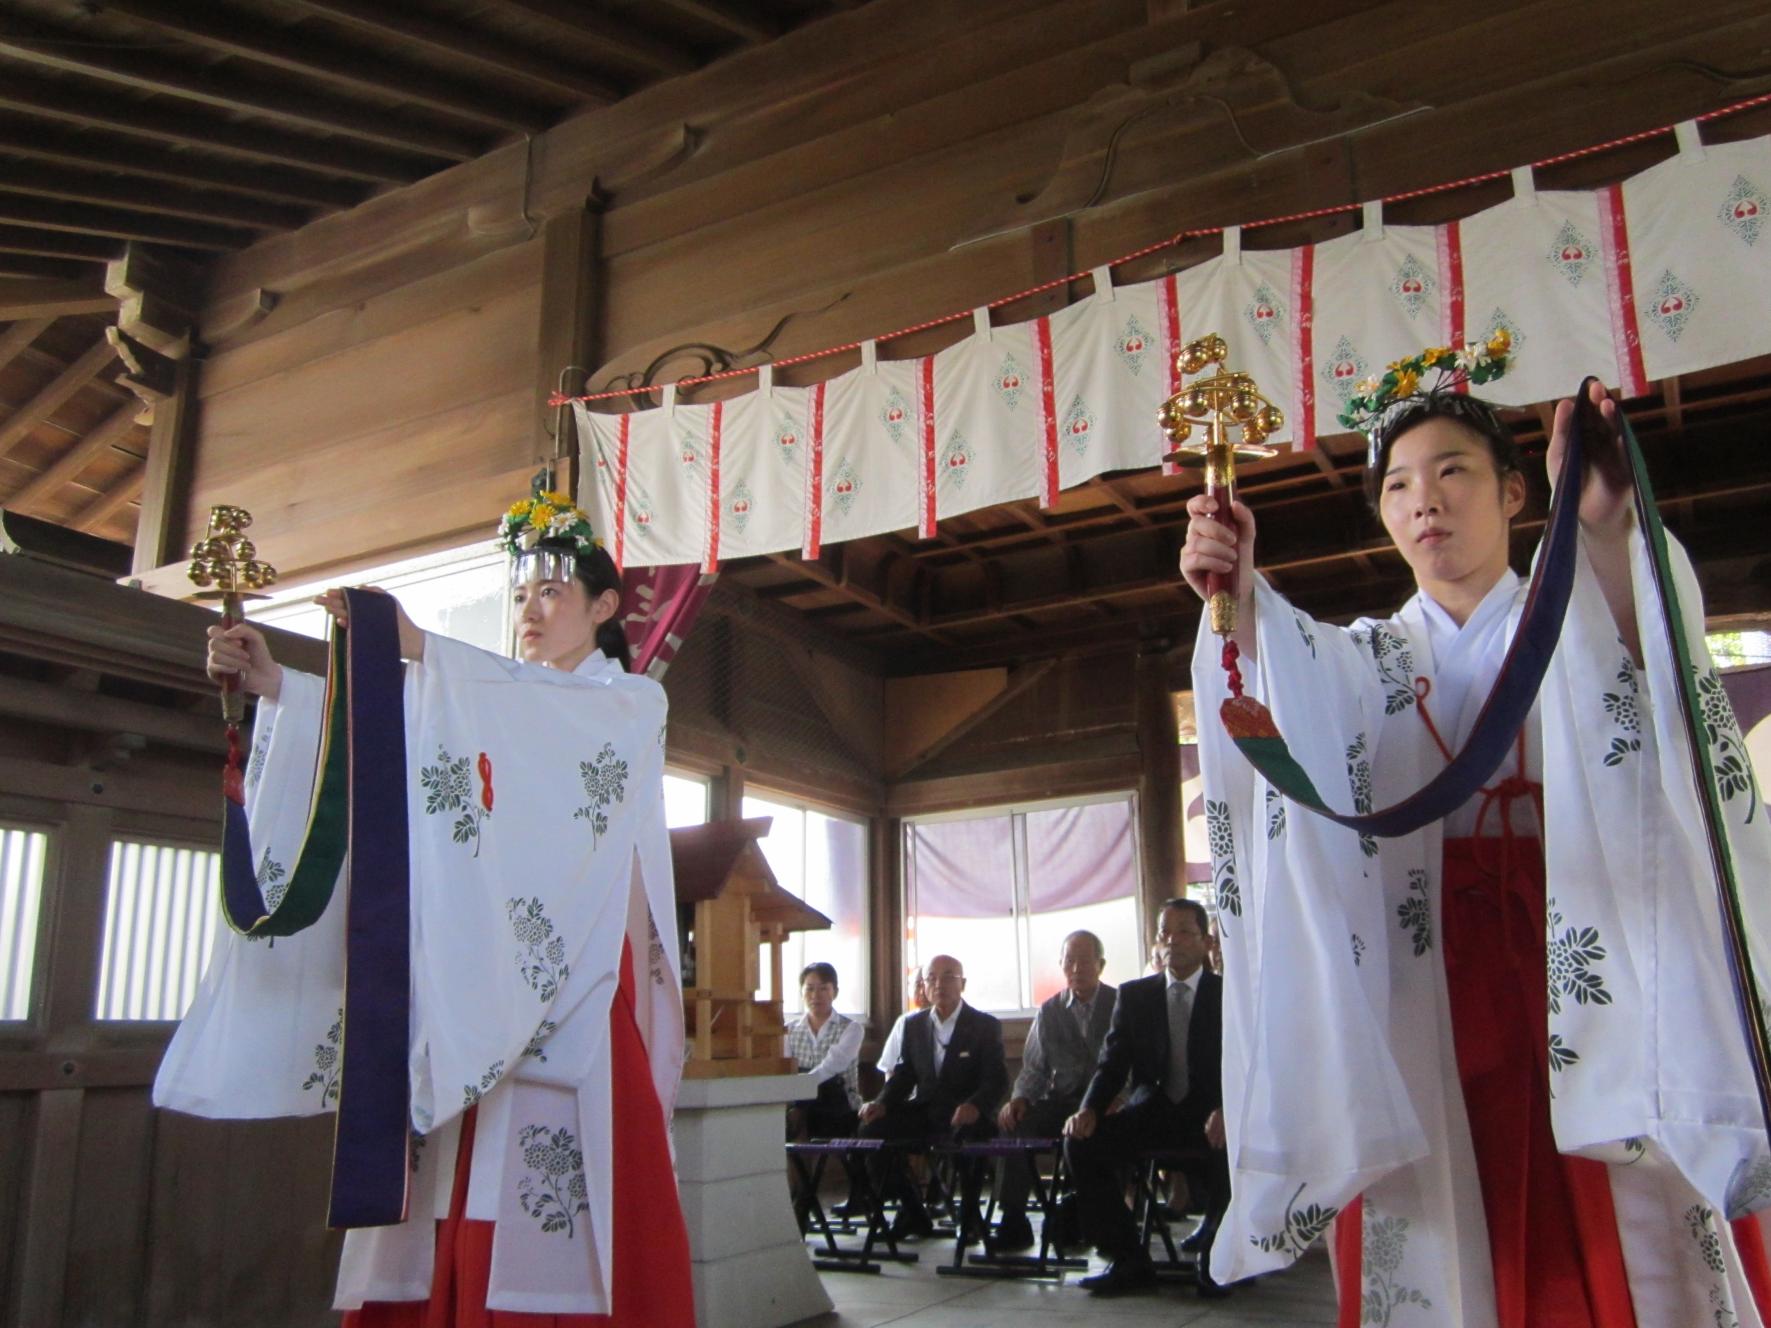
[(814, 534), (1620, 283), (622, 424), (714, 428), (1451, 290), (925, 411), (1303, 277), (1048, 412), (1168, 312)]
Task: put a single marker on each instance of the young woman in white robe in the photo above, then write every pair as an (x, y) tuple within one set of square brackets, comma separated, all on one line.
[(1502, 1050), (543, 1192)]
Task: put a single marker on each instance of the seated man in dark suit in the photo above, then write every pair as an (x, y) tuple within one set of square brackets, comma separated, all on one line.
[(947, 1084), (1167, 1036), (1056, 1065)]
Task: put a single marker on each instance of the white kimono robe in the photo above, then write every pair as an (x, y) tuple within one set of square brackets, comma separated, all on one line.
[(519, 912), (1340, 1077)]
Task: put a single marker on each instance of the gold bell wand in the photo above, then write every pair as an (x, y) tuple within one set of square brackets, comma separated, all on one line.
[(225, 565)]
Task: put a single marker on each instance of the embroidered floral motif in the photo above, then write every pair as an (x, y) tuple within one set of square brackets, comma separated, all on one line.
[(1358, 949), (1637, 1148), (1264, 313), (536, 1050), (1728, 757), (1415, 913), (1744, 209), (1302, 1227), (956, 460), (1010, 381), (1749, 1188), (415, 1151), (422, 1119), (1359, 777), (1571, 253), (1394, 662), (605, 783), (1671, 303), (1078, 426), (1572, 955), (542, 960), (740, 504), (272, 884), (1625, 710), (1411, 285), (1561, 1055), (325, 1075), (845, 483), (261, 753), (472, 1093), (1275, 813), (1133, 345), (448, 788), (555, 1193), (1702, 1223), (895, 414), (1344, 370), (1306, 633), (1223, 856), (1384, 1241)]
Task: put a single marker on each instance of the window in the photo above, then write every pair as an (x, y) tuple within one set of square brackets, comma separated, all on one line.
[(463, 593), (822, 858), (22, 855), (1000, 889), (161, 912), (685, 799)]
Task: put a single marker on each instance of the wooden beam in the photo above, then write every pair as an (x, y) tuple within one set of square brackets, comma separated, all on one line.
[(112, 501), (816, 571), (171, 438), (53, 48), (154, 196), (68, 466), (464, 44), (728, 17), (207, 133), (57, 244), (49, 269), (312, 57), (571, 290), (69, 381), (53, 299), (619, 39), (120, 224), (1019, 680), (46, 142), (18, 338)]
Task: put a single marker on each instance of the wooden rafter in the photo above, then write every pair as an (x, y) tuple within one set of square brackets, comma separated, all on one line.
[(310, 56), (816, 571), (143, 120), (120, 223), (112, 501), (153, 196), (43, 142), (68, 466), (616, 37), (462, 44), (51, 48), (17, 339), (57, 244), (69, 381), (727, 16), (51, 269), (53, 299)]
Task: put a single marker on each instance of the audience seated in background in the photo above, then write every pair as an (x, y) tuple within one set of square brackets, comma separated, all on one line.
[(893, 1045), (1056, 1064), (1167, 1036), (828, 1045), (947, 1083)]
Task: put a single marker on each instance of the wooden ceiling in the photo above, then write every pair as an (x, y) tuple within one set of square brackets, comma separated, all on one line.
[(184, 131)]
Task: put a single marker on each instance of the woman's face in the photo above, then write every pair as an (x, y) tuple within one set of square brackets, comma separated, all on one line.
[(1447, 508), (556, 622)]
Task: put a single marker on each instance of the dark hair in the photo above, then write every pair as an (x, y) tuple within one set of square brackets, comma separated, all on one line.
[(1192, 906), (1471, 412), (822, 971), (1081, 934), (596, 572)]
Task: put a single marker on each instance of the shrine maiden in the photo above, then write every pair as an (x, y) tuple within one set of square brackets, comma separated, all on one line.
[(1500, 1055), (542, 1067)]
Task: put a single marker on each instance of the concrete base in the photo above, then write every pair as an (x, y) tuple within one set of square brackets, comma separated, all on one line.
[(751, 1267)]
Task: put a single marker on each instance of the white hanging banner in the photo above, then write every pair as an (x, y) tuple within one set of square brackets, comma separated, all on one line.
[(1667, 273)]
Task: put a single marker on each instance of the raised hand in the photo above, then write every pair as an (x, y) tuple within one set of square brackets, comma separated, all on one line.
[(1215, 545), (1605, 500), (240, 652)]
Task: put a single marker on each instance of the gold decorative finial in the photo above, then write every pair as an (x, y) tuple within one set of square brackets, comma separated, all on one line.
[(1227, 403), (225, 564)]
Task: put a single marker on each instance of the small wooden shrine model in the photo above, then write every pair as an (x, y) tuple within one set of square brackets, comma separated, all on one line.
[(730, 906)]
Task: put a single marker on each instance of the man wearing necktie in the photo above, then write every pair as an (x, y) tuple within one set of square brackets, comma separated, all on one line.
[(1167, 1038)]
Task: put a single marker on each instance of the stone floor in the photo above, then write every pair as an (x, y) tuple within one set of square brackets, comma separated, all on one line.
[(914, 1296)]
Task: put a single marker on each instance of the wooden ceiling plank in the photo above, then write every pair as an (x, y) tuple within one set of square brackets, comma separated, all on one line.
[(17, 339), (53, 269), (37, 96), (43, 142), (727, 17), (303, 53), (146, 196), (816, 571), (57, 244), (68, 466), (119, 223), (69, 381), (620, 39), (52, 48), (53, 299), (461, 44), (107, 505)]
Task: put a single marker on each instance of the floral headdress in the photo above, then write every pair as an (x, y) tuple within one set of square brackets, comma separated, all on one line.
[(1381, 399), (544, 535)]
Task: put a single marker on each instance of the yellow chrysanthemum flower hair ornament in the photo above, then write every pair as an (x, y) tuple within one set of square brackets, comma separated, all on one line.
[(544, 534), (1398, 392)]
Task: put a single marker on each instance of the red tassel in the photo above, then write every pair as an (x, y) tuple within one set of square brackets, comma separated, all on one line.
[(233, 778), (485, 781), (1231, 654)]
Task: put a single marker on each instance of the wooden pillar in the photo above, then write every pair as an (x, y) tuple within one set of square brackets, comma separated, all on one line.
[(569, 333), (1160, 813), (160, 533), (885, 913)]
